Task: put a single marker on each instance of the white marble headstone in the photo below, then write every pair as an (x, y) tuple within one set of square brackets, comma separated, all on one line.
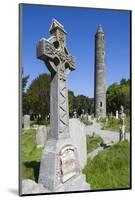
[(117, 114)]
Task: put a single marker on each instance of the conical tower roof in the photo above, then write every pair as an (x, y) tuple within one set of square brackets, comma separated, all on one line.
[(100, 29)]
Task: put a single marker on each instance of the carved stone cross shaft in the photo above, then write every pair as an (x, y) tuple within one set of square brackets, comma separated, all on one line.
[(59, 62)]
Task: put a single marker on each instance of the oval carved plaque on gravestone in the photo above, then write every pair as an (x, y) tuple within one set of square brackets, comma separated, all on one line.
[(68, 163)]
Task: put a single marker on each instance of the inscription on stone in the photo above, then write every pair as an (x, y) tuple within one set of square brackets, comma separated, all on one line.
[(68, 163)]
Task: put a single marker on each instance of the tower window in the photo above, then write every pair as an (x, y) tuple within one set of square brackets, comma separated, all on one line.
[(100, 103)]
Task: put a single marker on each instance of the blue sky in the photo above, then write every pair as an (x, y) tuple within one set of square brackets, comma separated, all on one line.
[(81, 26)]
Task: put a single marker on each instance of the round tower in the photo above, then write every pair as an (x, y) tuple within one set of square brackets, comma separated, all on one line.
[(100, 88)]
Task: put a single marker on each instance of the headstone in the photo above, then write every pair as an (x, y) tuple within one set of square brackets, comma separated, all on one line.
[(111, 115), (41, 136), (78, 136), (82, 115), (75, 114), (89, 118), (26, 122), (59, 168), (117, 114), (122, 124)]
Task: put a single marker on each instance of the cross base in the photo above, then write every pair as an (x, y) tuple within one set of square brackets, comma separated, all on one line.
[(59, 168), (73, 185)]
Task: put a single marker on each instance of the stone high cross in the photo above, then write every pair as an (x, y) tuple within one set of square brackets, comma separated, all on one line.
[(54, 53), (59, 167)]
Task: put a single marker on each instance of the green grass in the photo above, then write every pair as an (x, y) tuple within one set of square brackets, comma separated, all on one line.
[(86, 122), (110, 168), (113, 124), (93, 143), (31, 156)]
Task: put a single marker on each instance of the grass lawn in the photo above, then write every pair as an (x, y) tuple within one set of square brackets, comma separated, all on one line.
[(113, 124), (31, 156), (93, 142), (110, 168)]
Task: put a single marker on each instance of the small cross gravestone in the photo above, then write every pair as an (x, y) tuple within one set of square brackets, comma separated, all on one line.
[(59, 169)]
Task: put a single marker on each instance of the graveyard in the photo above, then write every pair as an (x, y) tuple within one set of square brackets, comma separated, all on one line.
[(73, 143), (109, 169)]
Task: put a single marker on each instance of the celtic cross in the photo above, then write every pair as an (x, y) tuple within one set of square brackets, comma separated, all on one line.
[(54, 53)]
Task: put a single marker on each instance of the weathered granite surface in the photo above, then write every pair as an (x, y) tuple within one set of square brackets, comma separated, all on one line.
[(31, 187), (59, 163), (100, 86), (41, 136), (78, 136)]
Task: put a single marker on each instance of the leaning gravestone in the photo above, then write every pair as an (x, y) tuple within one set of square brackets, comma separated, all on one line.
[(26, 121), (59, 168), (78, 136), (41, 136)]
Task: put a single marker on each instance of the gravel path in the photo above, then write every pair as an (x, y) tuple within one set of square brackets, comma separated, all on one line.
[(107, 136)]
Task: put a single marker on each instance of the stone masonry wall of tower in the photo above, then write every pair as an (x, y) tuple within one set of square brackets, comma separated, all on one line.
[(100, 85)]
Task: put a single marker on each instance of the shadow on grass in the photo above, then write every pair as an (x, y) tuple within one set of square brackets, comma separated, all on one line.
[(35, 166)]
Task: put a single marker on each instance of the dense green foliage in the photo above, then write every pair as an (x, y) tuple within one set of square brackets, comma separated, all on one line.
[(31, 155), (37, 99), (93, 142), (39, 95), (110, 168), (117, 95), (84, 103)]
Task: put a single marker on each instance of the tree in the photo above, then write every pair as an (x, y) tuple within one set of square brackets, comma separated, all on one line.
[(38, 95), (24, 82), (37, 98), (84, 103), (117, 95), (71, 102), (25, 105)]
